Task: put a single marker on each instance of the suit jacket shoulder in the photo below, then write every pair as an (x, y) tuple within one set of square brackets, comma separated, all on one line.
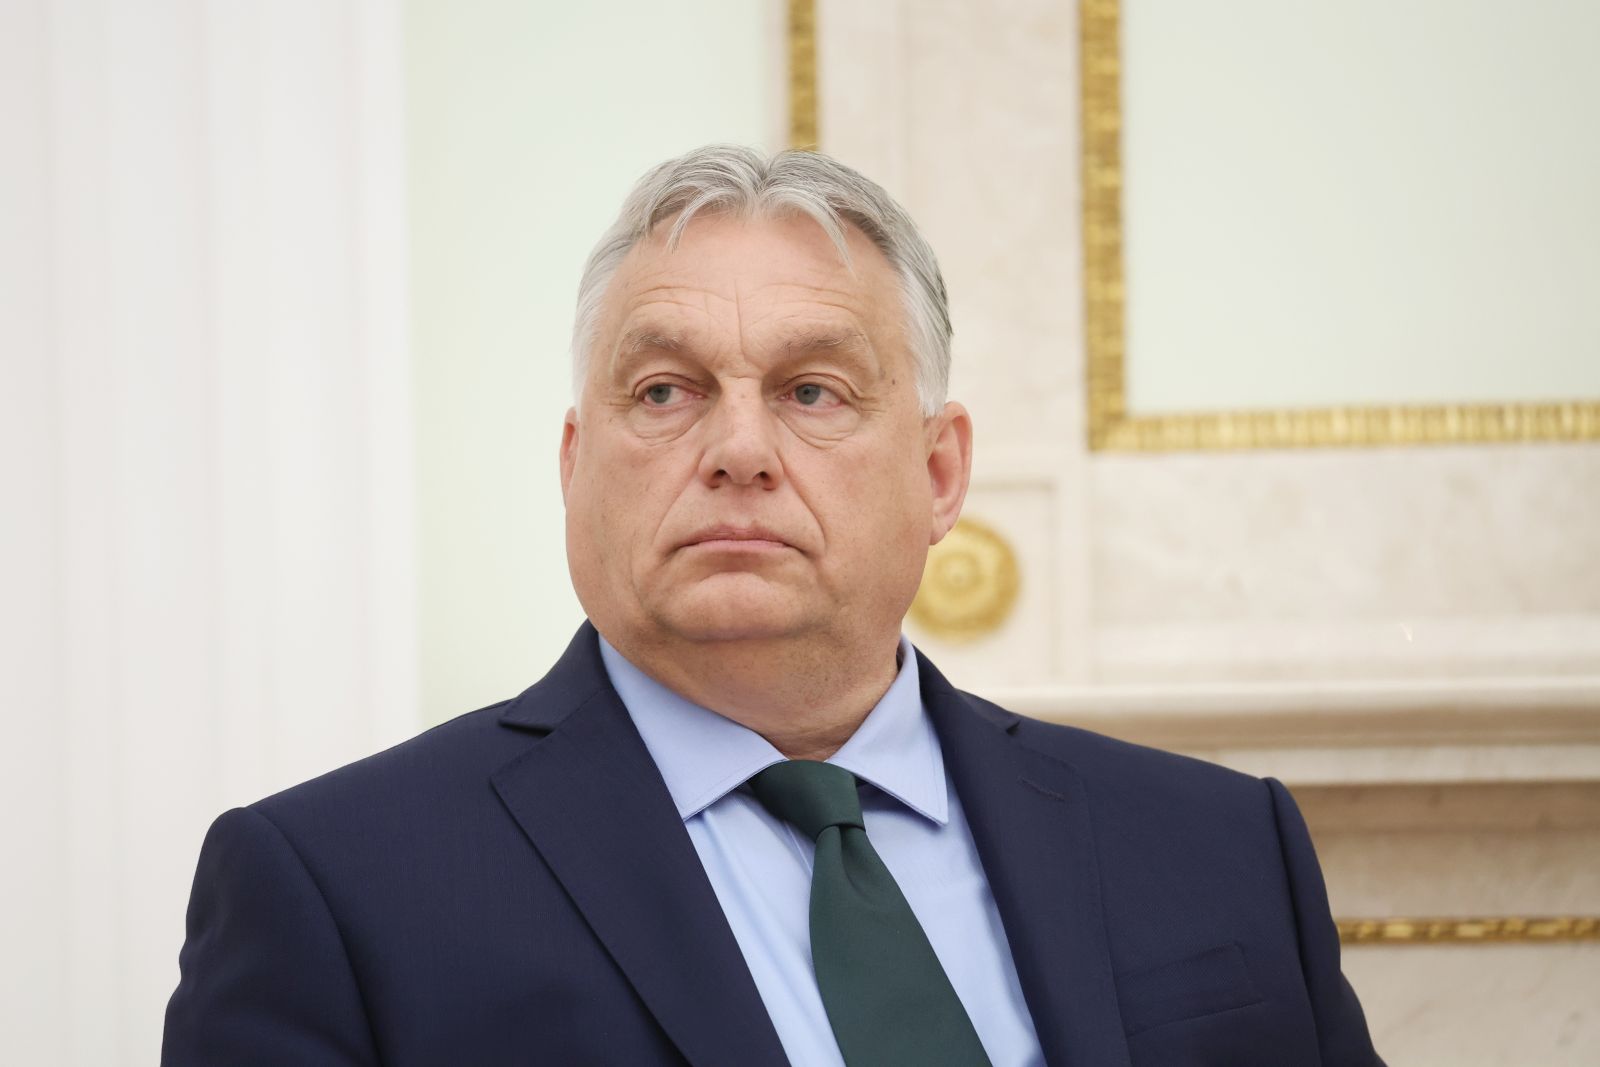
[(513, 885), (454, 757)]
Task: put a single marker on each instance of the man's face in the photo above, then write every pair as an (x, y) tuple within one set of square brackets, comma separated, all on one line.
[(749, 460)]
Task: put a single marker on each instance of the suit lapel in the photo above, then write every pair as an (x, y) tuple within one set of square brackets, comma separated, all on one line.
[(1029, 818), (593, 804)]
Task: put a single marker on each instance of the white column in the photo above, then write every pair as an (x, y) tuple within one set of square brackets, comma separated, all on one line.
[(205, 439)]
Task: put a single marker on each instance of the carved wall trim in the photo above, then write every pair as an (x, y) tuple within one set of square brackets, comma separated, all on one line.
[(1494, 930), (803, 126), (1478, 711), (1350, 733)]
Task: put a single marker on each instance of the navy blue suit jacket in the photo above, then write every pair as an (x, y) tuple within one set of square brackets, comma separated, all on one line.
[(516, 887)]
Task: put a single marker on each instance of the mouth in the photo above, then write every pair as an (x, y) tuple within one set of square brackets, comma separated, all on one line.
[(741, 539)]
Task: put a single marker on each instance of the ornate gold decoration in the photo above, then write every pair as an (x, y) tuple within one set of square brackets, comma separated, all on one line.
[(1499, 929), (969, 584), (803, 74), (1110, 425)]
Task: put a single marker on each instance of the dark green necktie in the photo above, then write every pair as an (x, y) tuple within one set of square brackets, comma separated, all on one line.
[(886, 994)]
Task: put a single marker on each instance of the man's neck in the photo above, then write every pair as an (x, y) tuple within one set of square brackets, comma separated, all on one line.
[(806, 702)]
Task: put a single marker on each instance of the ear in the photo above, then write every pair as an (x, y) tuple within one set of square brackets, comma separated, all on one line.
[(949, 466), (569, 449)]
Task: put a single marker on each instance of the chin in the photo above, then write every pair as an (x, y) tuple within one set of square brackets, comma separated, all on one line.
[(737, 608)]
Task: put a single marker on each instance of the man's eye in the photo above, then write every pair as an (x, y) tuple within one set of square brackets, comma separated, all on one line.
[(810, 394), (660, 394)]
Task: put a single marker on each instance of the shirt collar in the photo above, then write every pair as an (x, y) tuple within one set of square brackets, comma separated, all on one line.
[(703, 756)]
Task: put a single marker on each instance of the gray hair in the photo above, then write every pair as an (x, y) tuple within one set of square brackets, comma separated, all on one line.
[(732, 178)]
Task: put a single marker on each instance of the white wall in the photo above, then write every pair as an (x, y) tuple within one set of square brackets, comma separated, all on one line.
[(527, 124), (205, 553)]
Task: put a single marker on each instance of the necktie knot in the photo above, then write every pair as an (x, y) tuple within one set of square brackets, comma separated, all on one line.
[(809, 795)]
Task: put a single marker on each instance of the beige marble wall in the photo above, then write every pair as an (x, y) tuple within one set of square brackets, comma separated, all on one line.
[(1465, 850), (1319, 615), (1420, 562)]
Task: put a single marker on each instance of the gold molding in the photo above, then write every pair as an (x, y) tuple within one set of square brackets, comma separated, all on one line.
[(1111, 428), (969, 584), (1500, 929), (803, 74)]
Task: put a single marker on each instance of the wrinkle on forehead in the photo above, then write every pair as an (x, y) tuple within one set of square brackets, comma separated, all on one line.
[(656, 283), (683, 321), (653, 339)]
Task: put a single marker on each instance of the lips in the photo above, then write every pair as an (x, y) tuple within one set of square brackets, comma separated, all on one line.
[(751, 537)]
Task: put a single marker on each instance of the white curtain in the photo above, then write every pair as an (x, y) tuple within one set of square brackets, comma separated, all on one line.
[(206, 553)]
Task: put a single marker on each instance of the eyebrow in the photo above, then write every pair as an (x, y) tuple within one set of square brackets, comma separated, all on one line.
[(849, 340), (648, 340)]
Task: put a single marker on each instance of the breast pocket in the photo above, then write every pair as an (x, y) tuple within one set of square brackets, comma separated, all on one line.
[(1205, 983)]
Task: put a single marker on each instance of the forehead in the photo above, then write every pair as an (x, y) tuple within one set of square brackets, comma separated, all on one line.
[(755, 274)]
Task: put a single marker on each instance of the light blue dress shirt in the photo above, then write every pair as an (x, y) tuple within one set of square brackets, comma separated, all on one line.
[(761, 868)]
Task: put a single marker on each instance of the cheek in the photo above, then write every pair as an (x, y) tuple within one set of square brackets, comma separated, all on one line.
[(620, 492), (593, 512), (882, 506)]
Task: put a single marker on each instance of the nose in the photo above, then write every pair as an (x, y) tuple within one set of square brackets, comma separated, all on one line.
[(741, 445)]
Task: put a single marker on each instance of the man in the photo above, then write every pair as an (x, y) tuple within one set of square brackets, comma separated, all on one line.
[(742, 821)]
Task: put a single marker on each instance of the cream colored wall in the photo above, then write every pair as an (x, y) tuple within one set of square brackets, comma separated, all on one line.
[(527, 123), (1363, 202)]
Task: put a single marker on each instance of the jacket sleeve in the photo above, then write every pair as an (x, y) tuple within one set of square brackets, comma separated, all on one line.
[(264, 976), (1342, 1033)]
